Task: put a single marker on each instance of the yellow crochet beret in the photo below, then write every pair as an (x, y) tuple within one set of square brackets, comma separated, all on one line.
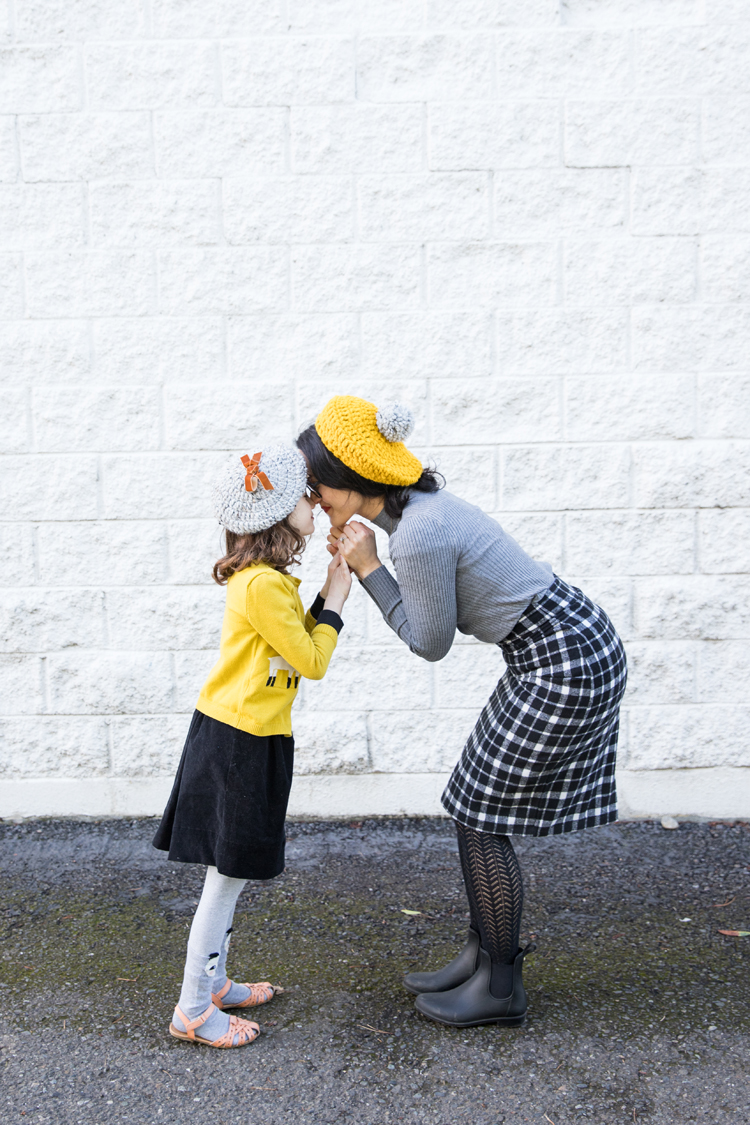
[(368, 440)]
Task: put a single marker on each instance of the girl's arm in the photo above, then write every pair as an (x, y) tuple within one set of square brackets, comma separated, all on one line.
[(313, 613), (271, 610)]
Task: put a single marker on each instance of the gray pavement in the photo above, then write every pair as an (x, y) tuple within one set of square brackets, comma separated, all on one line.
[(638, 1006)]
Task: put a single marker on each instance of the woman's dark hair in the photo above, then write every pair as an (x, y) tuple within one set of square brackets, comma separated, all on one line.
[(326, 469), (280, 546)]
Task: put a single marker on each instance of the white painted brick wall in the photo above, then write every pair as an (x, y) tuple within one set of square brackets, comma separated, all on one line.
[(528, 219)]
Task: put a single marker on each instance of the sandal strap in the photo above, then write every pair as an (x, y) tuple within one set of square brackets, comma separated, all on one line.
[(243, 1029), (260, 993), (222, 991), (190, 1025)]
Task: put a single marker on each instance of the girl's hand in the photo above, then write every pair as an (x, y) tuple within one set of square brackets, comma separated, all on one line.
[(340, 584), (357, 544), (331, 570)]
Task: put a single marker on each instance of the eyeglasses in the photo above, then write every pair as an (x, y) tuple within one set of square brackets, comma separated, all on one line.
[(311, 490)]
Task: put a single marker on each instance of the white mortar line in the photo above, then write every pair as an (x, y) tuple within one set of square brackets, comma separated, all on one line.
[(152, 145), (35, 562), (287, 139), (110, 746), (83, 85), (44, 685)]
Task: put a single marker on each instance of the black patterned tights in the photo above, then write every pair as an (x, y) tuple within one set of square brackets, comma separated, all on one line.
[(495, 890)]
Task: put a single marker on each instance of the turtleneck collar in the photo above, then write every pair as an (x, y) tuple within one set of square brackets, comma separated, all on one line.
[(386, 523)]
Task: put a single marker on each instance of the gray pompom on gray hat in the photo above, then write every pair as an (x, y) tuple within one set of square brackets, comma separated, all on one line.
[(258, 490)]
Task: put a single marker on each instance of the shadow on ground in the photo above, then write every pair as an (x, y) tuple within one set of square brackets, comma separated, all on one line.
[(639, 1008)]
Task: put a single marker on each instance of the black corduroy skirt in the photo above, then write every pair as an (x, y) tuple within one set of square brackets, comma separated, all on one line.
[(228, 803)]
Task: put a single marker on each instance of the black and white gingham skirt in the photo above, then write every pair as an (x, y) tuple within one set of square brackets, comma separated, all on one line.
[(541, 759)]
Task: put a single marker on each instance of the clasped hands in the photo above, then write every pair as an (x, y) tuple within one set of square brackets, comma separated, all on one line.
[(356, 543)]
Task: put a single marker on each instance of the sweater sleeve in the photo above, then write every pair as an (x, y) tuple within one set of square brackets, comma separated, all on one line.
[(313, 613), (420, 606), (271, 611)]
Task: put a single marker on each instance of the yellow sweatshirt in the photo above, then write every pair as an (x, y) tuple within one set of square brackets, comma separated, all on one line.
[(267, 644)]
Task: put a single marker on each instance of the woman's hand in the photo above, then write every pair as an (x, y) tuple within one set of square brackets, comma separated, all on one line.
[(333, 540), (357, 544), (340, 584)]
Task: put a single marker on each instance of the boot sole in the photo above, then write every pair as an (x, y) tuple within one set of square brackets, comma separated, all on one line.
[(503, 1021), (431, 991)]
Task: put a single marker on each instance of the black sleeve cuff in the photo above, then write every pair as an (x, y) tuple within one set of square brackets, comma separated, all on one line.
[(328, 617), (317, 606)]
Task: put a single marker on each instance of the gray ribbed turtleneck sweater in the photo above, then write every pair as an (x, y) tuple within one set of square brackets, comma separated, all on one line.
[(456, 569)]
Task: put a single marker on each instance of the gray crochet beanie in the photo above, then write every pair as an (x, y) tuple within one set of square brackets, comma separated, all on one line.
[(255, 492)]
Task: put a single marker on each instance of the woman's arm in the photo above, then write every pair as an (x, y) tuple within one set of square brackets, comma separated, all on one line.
[(421, 606)]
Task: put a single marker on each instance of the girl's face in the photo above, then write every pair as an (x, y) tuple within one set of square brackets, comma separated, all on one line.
[(301, 518)]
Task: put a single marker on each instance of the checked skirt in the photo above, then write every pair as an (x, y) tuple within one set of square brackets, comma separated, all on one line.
[(541, 759)]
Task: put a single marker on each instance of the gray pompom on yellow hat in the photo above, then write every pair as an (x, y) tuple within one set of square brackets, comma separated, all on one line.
[(256, 491)]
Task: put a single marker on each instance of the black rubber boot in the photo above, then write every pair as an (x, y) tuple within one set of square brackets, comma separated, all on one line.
[(459, 970), (472, 1003)]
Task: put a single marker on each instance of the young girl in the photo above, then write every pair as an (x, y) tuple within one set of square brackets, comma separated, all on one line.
[(229, 798)]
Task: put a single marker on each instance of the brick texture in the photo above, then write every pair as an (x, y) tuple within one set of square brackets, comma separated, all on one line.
[(528, 220)]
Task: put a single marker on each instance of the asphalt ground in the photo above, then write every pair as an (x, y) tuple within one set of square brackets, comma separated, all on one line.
[(638, 1007)]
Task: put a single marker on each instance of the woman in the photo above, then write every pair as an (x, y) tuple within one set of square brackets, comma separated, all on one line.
[(541, 758)]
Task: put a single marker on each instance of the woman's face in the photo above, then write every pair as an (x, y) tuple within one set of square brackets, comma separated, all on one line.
[(337, 503), (301, 518)]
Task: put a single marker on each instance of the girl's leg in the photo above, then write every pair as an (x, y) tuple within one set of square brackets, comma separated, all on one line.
[(495, 890), (220, 976), (207, 934), (238, 994)]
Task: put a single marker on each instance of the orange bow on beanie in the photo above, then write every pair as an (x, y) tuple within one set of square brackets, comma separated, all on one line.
[(245, 509), (254, 474)]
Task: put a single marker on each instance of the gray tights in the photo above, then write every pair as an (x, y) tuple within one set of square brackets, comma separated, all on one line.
[(205, 966)]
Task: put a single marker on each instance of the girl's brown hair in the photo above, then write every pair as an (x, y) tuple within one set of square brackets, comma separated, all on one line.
[(280, 546)]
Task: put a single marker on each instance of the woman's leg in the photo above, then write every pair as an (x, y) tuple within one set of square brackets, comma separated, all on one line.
[(494, 993), (495, 890), (207, 934)]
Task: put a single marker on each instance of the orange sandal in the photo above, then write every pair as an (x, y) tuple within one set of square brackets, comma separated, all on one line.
[(259, 994), (245, 1031)]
